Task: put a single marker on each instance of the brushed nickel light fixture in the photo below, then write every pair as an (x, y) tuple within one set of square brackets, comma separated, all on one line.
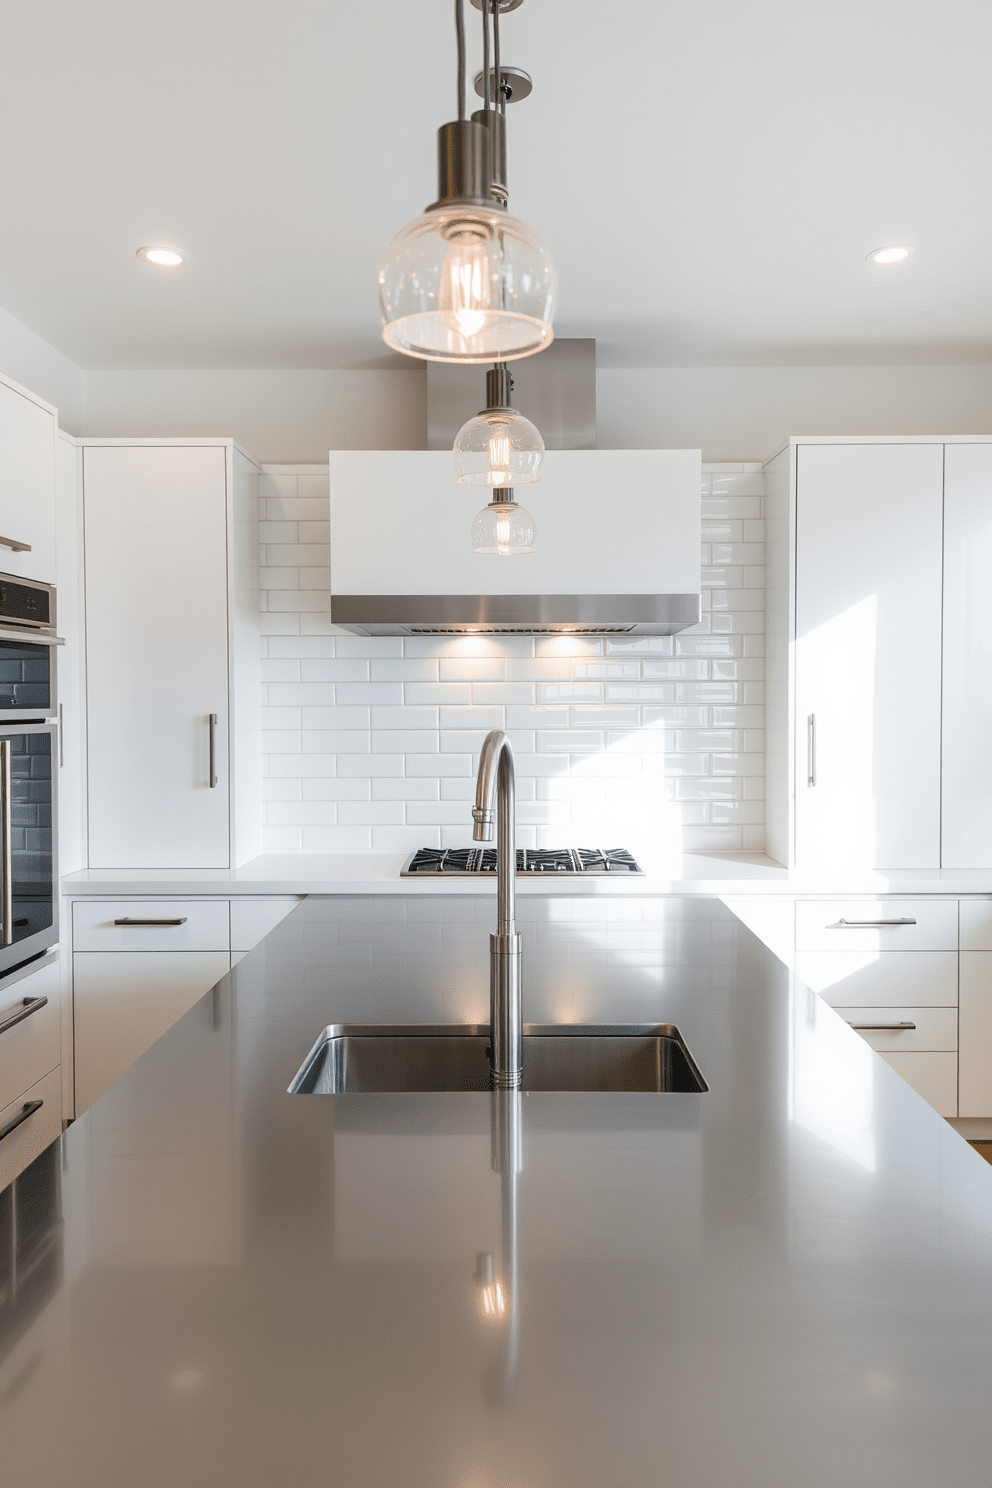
[(466, 281), (500, 448)]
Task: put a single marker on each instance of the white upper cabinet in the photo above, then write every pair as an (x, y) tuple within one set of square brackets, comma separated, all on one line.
[(167, 632), (27, 484), (856, 695), (967, 734)]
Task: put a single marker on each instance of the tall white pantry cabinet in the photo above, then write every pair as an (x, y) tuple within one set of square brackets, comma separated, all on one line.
[(879, 712)]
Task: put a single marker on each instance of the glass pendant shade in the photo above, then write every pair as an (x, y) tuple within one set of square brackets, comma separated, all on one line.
[(499, 447), (464, 283), (503, 528)]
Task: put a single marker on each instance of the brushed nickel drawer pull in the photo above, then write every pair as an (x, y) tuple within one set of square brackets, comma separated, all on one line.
[(811, 750), (843, 924), (138, 923), (881, 1027), (30, 1005), (14, 545), (213, 751), (28, 1109)]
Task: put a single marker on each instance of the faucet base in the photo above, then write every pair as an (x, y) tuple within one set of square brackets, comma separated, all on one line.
[(506, 1011)]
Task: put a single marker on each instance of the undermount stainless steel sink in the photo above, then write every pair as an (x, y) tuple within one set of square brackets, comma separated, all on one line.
[(369, 1059)]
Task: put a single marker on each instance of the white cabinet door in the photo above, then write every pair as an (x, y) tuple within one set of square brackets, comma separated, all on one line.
[(124, 1000), (27, 485), (155, 527), (975, 1033), (867, 655), (967, 725)]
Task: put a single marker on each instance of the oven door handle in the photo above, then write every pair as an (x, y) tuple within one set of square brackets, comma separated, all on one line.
[(31, 638)]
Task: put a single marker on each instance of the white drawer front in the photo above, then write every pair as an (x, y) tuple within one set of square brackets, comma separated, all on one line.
[(976, 924), (122, 1004), (205, 925), (882, 978), (975, 1095), (31, 1047), (934, 1029), (31, 1136), (859, 924), (252, 919), (935, 1076)]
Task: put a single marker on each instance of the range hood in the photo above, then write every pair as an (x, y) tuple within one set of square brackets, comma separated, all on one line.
[(618, 531)]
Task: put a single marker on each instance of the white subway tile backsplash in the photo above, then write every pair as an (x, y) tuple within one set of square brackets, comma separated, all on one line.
[(371, 743)]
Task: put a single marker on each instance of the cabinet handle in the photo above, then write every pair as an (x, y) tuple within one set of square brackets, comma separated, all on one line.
[(31, 1005), (61, 737), (881, 1027), (126, 921), (14, 545), (28, 1109), (6, 869), (811, 750), (213, 750), (843, 924)]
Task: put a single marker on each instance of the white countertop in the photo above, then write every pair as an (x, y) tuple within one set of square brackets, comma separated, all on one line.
[(721, 874)]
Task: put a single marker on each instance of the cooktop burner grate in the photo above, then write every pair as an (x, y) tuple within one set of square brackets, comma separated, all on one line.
[(469, 860)]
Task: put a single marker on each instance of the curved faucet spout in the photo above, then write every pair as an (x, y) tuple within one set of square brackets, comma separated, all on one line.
[(495, 797)]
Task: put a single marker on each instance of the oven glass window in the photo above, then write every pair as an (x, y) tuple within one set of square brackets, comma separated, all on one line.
[(31, 831), (25, 677)]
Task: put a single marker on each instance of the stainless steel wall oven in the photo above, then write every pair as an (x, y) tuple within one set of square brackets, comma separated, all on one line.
[(29, 745)]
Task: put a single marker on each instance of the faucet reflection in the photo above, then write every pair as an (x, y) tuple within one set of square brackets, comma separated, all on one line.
[(497, 1295), (494, 796)]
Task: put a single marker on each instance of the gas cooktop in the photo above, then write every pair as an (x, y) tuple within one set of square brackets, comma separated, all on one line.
[(468, 860)]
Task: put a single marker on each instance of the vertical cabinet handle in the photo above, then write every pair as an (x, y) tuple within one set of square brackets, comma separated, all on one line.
[(811, 750), (61, 737), (213, 750), (7, 886)]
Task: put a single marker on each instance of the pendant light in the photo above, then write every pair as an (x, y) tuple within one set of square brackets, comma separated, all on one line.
[(498, 447), (503, 528), (466, 281)]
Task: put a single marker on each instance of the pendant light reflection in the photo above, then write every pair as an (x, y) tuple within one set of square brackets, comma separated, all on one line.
[(503, 529), (490, 1298)]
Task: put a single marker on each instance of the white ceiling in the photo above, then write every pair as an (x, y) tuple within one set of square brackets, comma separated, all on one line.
[(708, 174)]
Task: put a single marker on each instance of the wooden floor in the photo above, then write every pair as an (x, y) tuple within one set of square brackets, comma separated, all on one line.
[(984, 1149)]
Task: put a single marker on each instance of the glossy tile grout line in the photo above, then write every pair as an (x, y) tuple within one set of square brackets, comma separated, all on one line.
[(371, 744)]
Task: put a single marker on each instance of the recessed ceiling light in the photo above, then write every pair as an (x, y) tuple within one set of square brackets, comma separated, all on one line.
[(891, 255), (162, 258)]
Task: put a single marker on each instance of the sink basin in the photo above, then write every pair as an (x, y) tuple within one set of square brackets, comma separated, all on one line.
[(366, 1059)]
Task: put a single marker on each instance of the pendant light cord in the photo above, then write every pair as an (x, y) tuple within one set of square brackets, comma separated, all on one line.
[(485, 57), (460, 38), (500, 99)]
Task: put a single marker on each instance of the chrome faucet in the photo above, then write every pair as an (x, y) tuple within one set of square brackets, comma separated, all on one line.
[(494, 796)]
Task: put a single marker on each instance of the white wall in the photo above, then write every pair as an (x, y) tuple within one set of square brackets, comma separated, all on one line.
[(29, 360), (744, 413), (279, 416)]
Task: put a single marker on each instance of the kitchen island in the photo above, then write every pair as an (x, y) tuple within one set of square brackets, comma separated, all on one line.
[(783, 1280)]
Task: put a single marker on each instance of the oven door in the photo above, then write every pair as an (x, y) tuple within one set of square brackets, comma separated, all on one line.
[(27, 674), (29, 914)]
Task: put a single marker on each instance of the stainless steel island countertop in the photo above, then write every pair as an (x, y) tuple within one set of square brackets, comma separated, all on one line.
[(783, 1282)]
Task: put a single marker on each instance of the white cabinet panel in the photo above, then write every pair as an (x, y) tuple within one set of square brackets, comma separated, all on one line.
[(881, 978), (976, 924), (155, 523), (976, 1033), (934, 1076), (204, 925), (859, 924), (124, 1001), (252, 919), (967, 728), (31, 1048), (31, 1136), (27, 483), (934, 1029), (868, 576)]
